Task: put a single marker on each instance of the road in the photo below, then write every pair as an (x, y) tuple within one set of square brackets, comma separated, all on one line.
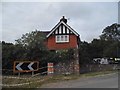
[(104, 81)]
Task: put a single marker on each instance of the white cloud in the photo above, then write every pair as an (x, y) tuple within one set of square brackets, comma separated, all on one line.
[(88, 19)]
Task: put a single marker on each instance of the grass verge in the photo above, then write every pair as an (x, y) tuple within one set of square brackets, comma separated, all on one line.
[(36, 82)]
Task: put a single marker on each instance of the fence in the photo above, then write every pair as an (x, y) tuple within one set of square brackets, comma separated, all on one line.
[(63, 69), (97, 68), (23, 80), (42, 70), (28, 79)]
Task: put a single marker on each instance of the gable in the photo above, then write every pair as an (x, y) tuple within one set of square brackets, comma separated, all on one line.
[(62, 29)]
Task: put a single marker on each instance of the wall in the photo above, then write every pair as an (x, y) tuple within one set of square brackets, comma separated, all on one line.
[(68, 66), (52, 45), (97, 67)]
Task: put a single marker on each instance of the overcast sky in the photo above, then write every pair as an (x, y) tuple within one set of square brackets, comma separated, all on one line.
[(88, 18)]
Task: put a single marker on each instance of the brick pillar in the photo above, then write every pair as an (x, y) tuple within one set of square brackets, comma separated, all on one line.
[(50, 69), (76, 61)]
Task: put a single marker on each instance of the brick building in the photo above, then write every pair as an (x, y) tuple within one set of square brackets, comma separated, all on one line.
[(63, 37)]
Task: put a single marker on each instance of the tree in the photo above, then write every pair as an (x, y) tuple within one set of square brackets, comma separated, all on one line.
[(33, 44), (112, 49), (111, 33), (19, 52), (107, 46), (97, 48), (111, 36), (85, 53), (7, 56)]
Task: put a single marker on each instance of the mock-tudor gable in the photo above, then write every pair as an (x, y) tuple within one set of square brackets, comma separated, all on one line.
[(62, 36), (62, 28)]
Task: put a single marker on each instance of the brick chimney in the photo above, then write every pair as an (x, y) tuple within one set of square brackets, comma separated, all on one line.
[(63, 19)]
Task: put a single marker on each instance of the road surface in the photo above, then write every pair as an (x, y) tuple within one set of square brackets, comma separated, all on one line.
[(104, 81)]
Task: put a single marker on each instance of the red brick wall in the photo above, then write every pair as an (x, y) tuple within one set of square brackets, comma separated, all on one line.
[(52, 45)]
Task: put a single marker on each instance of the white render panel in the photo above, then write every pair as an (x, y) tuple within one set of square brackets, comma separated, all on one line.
[(67, 30), (56, 32), (60, 30), (63, 29)]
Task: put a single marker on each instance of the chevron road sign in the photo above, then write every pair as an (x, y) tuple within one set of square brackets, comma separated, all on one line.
[(25, 66)]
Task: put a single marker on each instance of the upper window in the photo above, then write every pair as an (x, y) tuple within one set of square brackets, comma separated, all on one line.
[(62, 38), (58, 38)]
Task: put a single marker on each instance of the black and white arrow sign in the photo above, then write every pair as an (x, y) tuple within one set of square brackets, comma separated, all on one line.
[(18, 66), (30, 66), (26, 66)]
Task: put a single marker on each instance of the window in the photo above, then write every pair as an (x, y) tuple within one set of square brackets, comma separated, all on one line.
[(58, 38), (66, 38), (62, 38)]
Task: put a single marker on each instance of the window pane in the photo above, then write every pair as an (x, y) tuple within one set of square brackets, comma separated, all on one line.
[(61, 38), (58, 38), (65, 38)]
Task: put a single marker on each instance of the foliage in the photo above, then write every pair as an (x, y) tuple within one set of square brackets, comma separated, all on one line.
[(111, 32), (112, 49), (7, 55), (107, 46), (84, 51), (66, 55), (111, 39), (31, 46)]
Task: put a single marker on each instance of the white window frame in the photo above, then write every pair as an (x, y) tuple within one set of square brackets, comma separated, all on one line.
[(62, 40)]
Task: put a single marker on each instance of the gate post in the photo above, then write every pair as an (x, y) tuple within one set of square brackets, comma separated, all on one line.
[(50, 69), (76, 62)]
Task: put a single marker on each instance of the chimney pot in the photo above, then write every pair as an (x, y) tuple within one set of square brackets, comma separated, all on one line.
[(63, 19)]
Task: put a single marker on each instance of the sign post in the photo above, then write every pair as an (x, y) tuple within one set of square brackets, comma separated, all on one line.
[(19, 74), (32, 73)]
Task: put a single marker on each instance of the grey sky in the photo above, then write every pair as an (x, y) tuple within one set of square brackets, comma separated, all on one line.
[(88, 19)]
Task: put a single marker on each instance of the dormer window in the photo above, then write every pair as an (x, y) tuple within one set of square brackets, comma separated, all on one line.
[(62, 38)]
